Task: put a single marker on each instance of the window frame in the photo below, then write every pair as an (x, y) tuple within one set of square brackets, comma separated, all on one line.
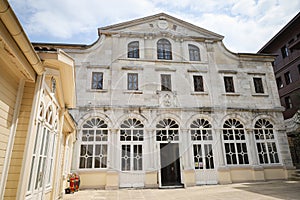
[(164, 49), (258, 85), (200, 87), (133, 49), (288, 102), (229, 80), (284, 51), (166, 82), (202, 139), (103, 144), (131, 136), (236, 127), (279, 82), (265, 129), (97, 81), (194, 52), (132, 84), (288, 78)]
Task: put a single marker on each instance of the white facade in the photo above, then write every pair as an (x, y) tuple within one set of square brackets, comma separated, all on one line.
[(140, 113)]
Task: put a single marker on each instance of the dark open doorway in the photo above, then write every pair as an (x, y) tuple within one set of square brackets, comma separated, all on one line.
[(170, 164)]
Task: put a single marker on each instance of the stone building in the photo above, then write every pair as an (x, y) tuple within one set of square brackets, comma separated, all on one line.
[(286, 45), (36, 129), (162, 103)]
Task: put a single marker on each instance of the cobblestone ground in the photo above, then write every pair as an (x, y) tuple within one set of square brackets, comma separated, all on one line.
[(248, 191)]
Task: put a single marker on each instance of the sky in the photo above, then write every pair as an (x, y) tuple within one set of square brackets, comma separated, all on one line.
[(246, 24)]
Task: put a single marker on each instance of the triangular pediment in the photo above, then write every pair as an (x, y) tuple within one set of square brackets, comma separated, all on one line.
[(160, 24)]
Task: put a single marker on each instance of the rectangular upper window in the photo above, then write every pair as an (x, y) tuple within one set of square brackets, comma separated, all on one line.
[(287, 77), (97, 80), (284, 51), (279, 83), (166, 82), (132, 81), (258, 85), (198, 84), (288, 102), (228, 82)]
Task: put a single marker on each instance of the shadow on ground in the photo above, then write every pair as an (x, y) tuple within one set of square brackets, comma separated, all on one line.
[(276, 189)]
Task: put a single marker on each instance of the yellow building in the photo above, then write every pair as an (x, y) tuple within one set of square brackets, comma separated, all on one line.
[(36, 130)]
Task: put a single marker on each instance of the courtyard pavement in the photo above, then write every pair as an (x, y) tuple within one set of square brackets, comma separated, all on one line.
[(247, 191)]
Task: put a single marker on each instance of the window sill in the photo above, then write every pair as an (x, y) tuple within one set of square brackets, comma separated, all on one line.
[(199, 93), (260, 95), (133, 92), (164, 92), (231, 94), (91, 170), (97, 90)]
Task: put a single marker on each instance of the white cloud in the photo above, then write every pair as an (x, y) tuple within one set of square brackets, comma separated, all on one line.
[(246, 24)]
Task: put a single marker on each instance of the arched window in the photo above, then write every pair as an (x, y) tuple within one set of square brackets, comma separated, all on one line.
[(131, 138), (194, 53), (164, 49), (44, 148), (201, 135), (234, 140), (167, 130), (265, 142), (133, 50), (94, 141)]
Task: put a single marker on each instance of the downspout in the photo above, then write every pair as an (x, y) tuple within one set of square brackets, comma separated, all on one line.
[(14, 27), (11, 138)]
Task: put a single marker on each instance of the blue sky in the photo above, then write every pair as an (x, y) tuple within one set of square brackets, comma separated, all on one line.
[(246, 24)]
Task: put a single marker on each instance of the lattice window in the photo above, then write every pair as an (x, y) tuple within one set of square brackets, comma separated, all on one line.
[(265, 142), (132, 81), (234, 140), (94, 141), (133, 50), (164, 49), (201, 130), (97, 80), (201, 135), (203, 156), (167, 130), (194, 53), (132, 137)]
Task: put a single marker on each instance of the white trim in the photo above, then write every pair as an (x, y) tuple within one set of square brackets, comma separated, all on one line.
[(11, 139), (22, 186)]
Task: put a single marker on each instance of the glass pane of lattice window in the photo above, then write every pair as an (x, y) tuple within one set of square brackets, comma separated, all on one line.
[(125, 158), (198, 158), (137, 157), (209, 160)]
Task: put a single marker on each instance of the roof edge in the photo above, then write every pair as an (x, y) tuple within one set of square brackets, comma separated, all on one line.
[(279, 33)]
